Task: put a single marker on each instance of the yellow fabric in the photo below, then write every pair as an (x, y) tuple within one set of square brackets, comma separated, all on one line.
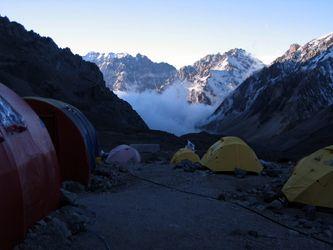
[(312, 180), (229, 153), (184, 154)]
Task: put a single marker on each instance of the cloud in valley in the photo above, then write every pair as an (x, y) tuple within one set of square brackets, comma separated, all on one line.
[(168, 111)]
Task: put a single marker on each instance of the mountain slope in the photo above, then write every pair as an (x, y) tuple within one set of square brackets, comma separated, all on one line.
[(286, 107), (123, 72), (207, 81), (32, 65), (213, 77)]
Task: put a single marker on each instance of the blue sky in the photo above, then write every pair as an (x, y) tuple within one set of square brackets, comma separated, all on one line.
[(175, 31)]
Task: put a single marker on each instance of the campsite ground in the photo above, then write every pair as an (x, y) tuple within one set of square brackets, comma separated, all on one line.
[(157, 207), (163, 208), (152, 205)]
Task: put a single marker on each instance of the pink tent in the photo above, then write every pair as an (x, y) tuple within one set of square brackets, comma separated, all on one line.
[(123, 154)]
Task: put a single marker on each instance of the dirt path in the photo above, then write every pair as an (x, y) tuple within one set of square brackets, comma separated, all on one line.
[(143, 215)]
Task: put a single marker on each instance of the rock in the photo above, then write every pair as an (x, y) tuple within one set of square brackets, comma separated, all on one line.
[(106, 169), (221, 197), (189, 166), (32, 65), (260, 207), (100, 183), (123, 169), (269, 196), (253, 201), (76, 218), (276, 204), (57, 229), (252, 191), (310, 212), (253, 233), (246, 203), (240, 173), (327, 233), (77, 223), (67, 198), (305, 223), (41, 223), (73, 186), (272, 172), (61, 226), (236, 232)]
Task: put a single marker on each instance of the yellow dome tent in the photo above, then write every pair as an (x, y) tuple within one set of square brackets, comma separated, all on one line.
[(312, 180), (184, 154), (230, 153)]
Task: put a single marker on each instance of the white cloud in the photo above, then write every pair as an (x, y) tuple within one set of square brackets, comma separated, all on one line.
[(168, 111)]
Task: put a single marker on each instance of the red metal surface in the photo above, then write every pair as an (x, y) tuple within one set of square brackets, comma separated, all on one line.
[(29, 173), (67, 139)]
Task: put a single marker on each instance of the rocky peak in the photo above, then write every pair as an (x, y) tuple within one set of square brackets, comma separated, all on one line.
[(293, 48), (207, 81), (187, 72), (292, 98), (214, 76), (310, 50), (290, 55), (124, 72)]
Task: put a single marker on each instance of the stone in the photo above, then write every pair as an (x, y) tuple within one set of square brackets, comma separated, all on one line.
[(52, 68), (327, 233), (305, 223), (67, 198), (268, 196), (260, 207), (253, 201), (188, 166), (276, 204), (310, 212), (240, 173), (61, 227), (77, 223), (73, 186), (221, 197), (253, 233), (100, 183), (272, 172)]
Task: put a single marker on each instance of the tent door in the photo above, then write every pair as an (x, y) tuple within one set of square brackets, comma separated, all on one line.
[(51, 125)]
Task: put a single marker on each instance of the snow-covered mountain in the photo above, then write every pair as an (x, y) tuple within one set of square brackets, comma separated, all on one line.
[(207, 81), (213, 77), (287, 106), (123, 72)]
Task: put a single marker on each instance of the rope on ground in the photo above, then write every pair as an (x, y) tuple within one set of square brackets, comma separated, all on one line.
[(237, 204), (106, 244)]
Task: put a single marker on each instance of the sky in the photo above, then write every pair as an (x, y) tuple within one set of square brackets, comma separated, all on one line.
[(178, 32)]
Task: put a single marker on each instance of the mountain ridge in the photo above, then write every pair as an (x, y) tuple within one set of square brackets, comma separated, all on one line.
[(124, 72), (207, 81), (285, 104), (33, 65)]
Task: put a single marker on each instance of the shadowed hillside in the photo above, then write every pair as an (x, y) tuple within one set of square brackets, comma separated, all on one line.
[(32, 65)]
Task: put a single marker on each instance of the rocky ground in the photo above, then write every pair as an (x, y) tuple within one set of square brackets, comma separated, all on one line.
[(154, 205)]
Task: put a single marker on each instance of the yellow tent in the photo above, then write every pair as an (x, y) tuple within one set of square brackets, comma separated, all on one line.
[(230, 153), (312, 180), (184, 154)]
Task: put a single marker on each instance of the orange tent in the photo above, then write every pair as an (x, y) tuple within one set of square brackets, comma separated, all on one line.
[(29, 172), (73, 136)]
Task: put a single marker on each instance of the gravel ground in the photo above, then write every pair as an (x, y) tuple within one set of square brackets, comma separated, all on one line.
[(156, 206)]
